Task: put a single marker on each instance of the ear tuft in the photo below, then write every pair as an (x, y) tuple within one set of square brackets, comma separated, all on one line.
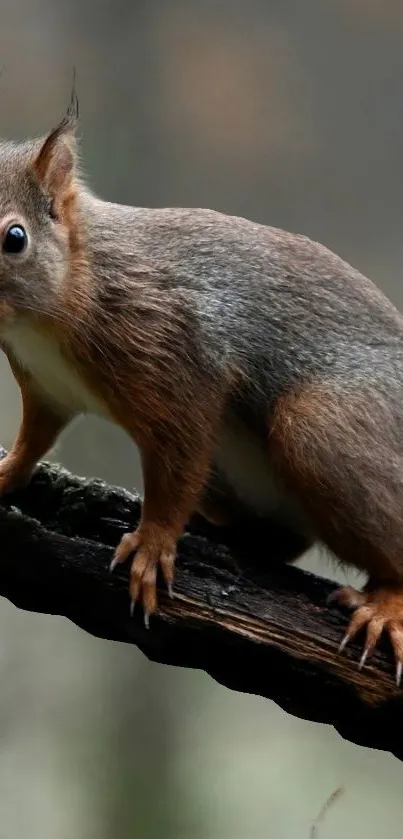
[(54, 165), (72, 113)]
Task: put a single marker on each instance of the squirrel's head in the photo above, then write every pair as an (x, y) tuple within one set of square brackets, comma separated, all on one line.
[(38, 220)]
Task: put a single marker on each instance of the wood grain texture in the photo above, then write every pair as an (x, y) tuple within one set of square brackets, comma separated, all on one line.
[(256, 631)]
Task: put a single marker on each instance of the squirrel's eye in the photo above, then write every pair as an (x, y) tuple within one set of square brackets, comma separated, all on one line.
[(15, 239)]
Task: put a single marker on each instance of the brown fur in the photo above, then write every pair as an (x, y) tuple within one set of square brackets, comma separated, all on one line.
[(150, 391), (38, 431), (323, 441), (187, 324)]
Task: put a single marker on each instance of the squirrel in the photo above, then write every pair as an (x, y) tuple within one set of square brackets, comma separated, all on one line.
[(256, 371)]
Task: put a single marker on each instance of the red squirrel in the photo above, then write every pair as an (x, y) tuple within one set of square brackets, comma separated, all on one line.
[(255, 370)]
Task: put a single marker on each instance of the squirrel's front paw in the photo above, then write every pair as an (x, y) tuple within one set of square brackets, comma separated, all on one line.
[(153, 547), (12, 477)]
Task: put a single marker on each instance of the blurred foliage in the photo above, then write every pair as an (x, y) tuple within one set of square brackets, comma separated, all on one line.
[(290, 113)]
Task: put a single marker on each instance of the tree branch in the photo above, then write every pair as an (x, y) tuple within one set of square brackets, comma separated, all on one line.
[(253, 630)]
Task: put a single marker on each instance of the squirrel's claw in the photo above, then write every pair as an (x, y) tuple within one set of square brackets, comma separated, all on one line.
[(149, 555), (380, 609)]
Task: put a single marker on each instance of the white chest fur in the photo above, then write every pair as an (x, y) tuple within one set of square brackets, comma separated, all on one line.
[(246, 466), (55, 377)]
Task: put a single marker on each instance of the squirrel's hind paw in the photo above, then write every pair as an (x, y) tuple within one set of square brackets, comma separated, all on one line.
[(378, 609)]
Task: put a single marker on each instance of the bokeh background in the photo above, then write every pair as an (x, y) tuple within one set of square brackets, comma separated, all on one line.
[(288, 112)]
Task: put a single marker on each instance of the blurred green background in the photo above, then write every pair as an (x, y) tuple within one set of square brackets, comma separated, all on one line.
[(288, 112)]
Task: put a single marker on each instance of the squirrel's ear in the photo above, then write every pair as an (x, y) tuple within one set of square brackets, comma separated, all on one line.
[(55, 163)]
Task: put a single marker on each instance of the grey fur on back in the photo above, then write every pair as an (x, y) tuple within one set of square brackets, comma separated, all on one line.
[(282, 307)]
